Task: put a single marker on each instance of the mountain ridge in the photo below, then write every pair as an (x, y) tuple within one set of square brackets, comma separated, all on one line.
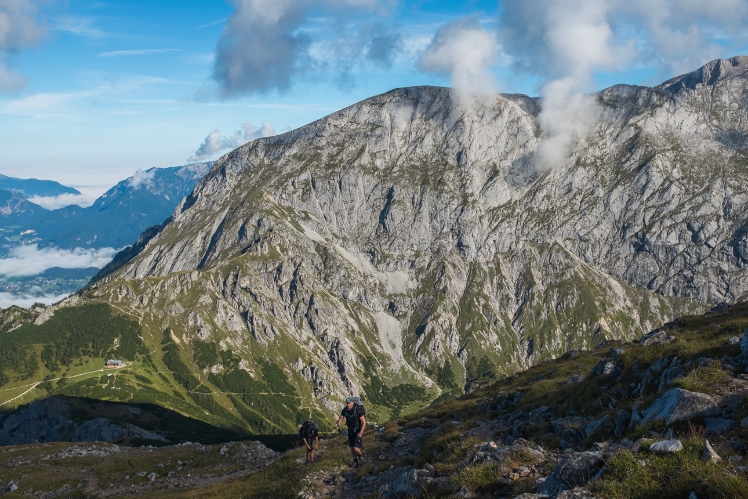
[(408, 248)]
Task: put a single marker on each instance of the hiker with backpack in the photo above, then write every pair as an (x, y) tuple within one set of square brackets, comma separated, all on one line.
[(355, 419), (309, 436)]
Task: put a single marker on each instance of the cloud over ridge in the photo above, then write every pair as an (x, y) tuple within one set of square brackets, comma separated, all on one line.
[(215, 142), (464, 51), (567, 42)]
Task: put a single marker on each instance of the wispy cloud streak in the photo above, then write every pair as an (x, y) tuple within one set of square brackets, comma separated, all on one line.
[(120, 53)]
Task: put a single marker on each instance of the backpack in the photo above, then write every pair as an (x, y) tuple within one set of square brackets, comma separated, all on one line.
[(308, 430), (352, 420)]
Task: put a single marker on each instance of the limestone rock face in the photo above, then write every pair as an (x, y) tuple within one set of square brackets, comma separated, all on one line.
[(418, 241)]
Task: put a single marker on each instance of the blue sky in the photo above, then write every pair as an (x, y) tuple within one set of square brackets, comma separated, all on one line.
[(98, 90)]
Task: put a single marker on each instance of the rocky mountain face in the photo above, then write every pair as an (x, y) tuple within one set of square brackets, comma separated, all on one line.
[(29, 187), (121, 214), (15, 209), (408, 246)]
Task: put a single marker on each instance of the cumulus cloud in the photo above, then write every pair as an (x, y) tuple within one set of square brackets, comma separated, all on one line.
[(381, 44), (141, 178), (465, 52), (683, 34), (568, 41), (215, 142), (347, 49), (25, 301), (263, 47), (28, 260), (20, 29), (56, 202)]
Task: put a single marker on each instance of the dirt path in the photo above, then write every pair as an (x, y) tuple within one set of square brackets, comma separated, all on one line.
[(34, 385), (21, 395)]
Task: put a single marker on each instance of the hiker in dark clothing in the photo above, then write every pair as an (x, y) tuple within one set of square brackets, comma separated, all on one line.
[(355, 419), (309, 436)]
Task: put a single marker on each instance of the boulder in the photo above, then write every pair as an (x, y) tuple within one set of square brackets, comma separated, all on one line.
[(572, 435), (678, 404), (744, 422), (463, 493), (666, 447), (656, 338), (572, 472), (595, 425), (709, 455), (719, 425), (744, 346), (621, 423), (670, 375), (408, 483), (603, 368), (576, 493)]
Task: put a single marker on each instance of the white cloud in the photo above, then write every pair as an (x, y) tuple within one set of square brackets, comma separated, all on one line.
[(465, 52), (119, 53), (31, 260), (25, 301), (568, 41), (141, 178), (215, 142), (19, 30), (566, 117), (83, 200), (263, 46)]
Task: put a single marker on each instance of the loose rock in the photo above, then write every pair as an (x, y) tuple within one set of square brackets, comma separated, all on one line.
[(572, 472), (709, 455), (666, 447), (656, 338)]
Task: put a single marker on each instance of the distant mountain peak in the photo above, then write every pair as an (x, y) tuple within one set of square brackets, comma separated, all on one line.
[(709, 74)]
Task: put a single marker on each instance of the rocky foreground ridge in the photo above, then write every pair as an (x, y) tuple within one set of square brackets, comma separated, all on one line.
[(407, 248), (666, 416)]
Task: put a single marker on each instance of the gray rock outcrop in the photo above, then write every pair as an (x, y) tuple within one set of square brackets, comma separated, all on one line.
[(42, 421), (678, 404), (572, 472)]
